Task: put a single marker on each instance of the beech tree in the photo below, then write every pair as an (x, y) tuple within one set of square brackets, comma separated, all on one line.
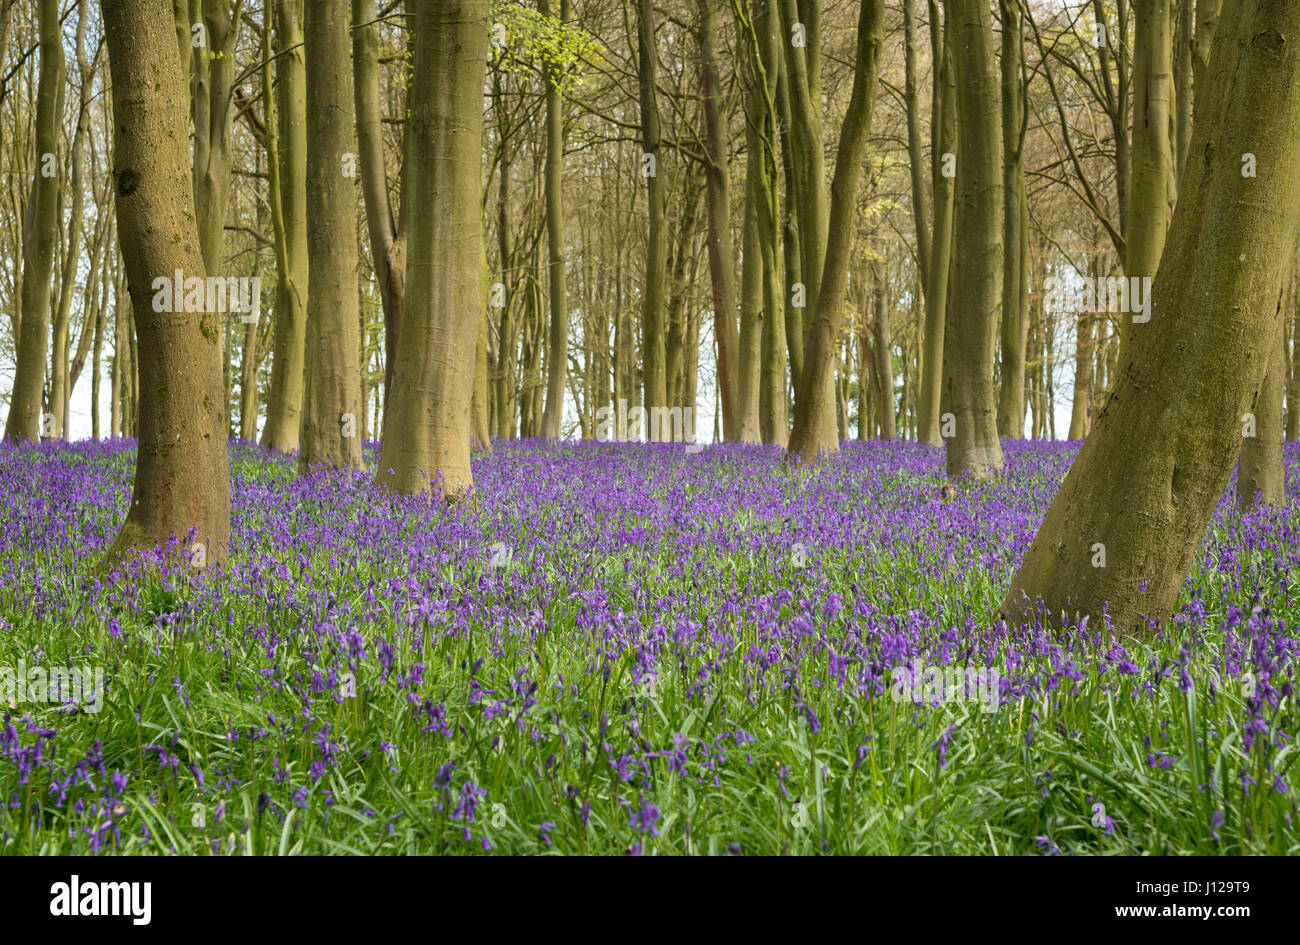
[(182, 473), (972, 446), (330, 433), (40, 234), (426, 445), (1122, 530)]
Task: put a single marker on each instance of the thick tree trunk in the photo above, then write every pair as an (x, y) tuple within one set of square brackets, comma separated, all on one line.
[(973, 447), (815, 400), (1015, 226), (287, 172), (427, 441), (557, 351), (40, 234), (944, 131), (332, 389), (803, 71), (1148, 477), (182, 476)]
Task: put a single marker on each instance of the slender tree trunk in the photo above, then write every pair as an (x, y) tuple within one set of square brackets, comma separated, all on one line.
[(182, 476), (40, 234), (1213, 333), (749, 364), (332, 387), (427, 444), (944, 130), (1081, 405), (557, 341), (973, 448), (884, 349), (652, 311), (1015, 227), (287, 175), (1183, 54), (814, 401), (722, 257), (1152, 157)]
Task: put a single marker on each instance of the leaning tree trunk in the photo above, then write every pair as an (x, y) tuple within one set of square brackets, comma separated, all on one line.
[(1261, 474), (1149, 475), (287, 175), (332, 390), (972, 442), (182, 473), (815, 399), (426, 446), (40, 235)]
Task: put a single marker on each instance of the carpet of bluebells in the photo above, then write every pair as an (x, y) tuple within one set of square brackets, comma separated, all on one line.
[(626, 648)]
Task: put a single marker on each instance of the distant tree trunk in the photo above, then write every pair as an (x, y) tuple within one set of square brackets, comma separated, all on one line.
[(1261, 474), (973, 448), (1083, 346), (814, 401), (944, 130), (653, 356), (557, 356), (884, 350), (1152, 157), (427, 444), (749, 363), (40, 234), (507, 333), (332, 388), (1213, 332), (182, 476), (915, 151), (1293, 388), (287, 176), (1015, 227), (96, 378)]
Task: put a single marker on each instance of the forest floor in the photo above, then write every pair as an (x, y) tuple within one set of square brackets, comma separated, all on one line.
[(628, 649)]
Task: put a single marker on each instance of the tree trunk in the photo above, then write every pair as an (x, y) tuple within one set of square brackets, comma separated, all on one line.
[(973, 447), (557, 347), (332, 387), (1015, 226), (1148, 477), (1152, 158), (884, 350), (40, 234), (653, 356), (815, 400), (287, 174), (722, 257), (427, 442), (1082, 403), (944, 130), (182, 475)]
